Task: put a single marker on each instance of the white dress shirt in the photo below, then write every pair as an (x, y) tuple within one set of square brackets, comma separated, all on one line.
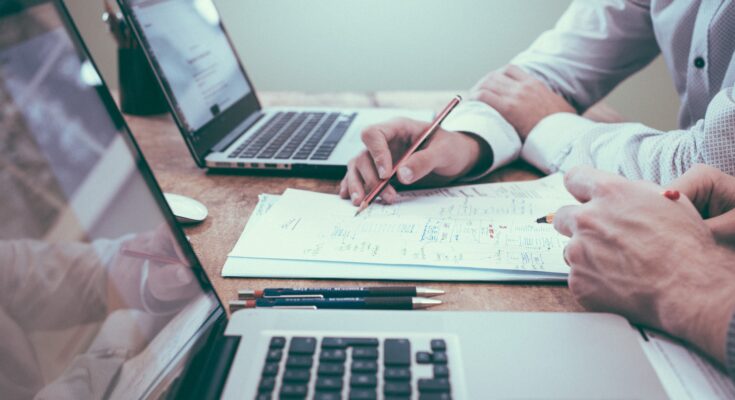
[(595, 46)]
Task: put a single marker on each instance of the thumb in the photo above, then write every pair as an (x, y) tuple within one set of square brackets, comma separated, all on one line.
[(418, 165), (723, 227)]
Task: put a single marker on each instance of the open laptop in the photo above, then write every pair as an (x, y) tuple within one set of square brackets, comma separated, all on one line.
[(217, 109), (103, 297)]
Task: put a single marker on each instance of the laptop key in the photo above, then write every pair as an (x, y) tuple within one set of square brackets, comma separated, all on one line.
[(397, 374), (365, 353), (423, 357), (331, 369), (363, 394), (293, 390), (299, 362), (434, 385), (435, 396), (337, 355), (397, 388), (439, 357), (327, 396), (438, 345), (264, 396), (397, 352), (327, 383), (296, 375), (363, 380), (441, 371), (277, 342), (273, 355), (270, 369), (302, 345), (364, 366), (267, 384), (341, 343)]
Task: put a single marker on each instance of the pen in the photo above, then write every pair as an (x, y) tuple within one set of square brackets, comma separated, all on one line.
[(348, 303), (321, 293), (161, 259), (422, 139), (672, 195)]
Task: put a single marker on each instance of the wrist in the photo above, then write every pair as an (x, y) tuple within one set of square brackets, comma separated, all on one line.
[(700, 310), (480, 155)]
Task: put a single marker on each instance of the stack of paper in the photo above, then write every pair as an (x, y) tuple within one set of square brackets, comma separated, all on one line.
[(477, 232)]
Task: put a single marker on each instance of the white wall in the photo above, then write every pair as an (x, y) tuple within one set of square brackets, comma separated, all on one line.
[(369, 45)]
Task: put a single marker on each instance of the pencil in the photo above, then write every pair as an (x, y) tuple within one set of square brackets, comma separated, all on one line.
[(673, 195), (161, 259), (422, 139)]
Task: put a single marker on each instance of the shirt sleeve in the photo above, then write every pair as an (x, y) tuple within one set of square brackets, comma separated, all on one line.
[(480, 119), (561, 141), (594, 46)]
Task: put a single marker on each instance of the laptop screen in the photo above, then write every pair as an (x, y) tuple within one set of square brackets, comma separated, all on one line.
[(100, 295), (193, 58)]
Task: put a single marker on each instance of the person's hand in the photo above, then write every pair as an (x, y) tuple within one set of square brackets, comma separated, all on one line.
[(519, 97), (713, 193), (654, 260), (448, 155), (151, 285)]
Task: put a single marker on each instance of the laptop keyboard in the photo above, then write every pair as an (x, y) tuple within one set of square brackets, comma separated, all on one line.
[(298, 136), (352, 368)]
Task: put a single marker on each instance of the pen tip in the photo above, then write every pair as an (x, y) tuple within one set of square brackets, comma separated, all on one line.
[(362, 208), (241, 304), (428, 292), (420, 302)]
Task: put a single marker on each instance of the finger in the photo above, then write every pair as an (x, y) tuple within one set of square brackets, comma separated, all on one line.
[(369, 175), (723, 227), (355, 185), (389, 195), (710, 190), (585, 183), (421, 163), (377, 140), (565, 220), (343, 192), (491, 98), (516, 73)]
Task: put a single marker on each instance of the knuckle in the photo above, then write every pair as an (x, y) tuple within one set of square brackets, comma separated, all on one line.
[(575, 253), (584, 220)]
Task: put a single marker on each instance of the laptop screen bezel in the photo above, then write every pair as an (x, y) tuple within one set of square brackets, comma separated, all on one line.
[(221, 125), (218, 314)]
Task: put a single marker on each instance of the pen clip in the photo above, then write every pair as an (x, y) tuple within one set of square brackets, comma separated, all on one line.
[(295, 296), (295, 307)]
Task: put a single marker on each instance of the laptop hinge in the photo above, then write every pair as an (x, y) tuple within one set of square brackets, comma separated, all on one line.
[(237, 132), (205, 376)]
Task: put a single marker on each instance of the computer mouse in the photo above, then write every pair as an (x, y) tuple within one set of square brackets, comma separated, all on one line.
[(186, 209)]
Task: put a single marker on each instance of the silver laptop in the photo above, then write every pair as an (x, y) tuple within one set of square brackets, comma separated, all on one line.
[(217, 109), (103, 297)]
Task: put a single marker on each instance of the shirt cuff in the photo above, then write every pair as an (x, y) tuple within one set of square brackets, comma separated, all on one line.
[(730, 349), (480, 119), (550, 141)]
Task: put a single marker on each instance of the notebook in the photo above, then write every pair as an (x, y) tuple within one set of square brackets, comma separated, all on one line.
[(484, 232)]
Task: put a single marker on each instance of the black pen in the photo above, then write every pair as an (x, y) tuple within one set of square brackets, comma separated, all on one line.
[(325, 293), (349, 303)]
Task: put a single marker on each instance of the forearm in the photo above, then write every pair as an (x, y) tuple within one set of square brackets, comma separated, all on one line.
[(562, 141), (593, 47)]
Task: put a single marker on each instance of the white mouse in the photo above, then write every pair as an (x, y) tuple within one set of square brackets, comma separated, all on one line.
[(186, 209)]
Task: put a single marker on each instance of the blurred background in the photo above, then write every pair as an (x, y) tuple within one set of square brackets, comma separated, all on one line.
[(374, 45)]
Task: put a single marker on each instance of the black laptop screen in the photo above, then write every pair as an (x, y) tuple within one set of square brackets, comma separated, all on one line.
[(99, 293), (196, 64)]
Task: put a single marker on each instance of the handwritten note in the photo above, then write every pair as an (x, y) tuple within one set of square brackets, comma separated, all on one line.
[(488, 226)]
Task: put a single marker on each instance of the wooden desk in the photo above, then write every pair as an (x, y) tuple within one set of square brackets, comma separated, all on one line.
[(231, 198)]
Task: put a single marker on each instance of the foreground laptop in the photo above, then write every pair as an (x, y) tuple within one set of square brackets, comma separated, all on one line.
[(101, 295), (217, 109)]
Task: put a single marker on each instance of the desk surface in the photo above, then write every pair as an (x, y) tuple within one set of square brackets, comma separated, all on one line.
[(231, 198)]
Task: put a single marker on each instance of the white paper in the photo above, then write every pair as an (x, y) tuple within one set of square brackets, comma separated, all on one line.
[(490, 226), (684, 373)]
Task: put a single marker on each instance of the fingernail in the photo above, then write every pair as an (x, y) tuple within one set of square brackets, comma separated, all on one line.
[(354, 196), (381, 172), (406, 174)]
